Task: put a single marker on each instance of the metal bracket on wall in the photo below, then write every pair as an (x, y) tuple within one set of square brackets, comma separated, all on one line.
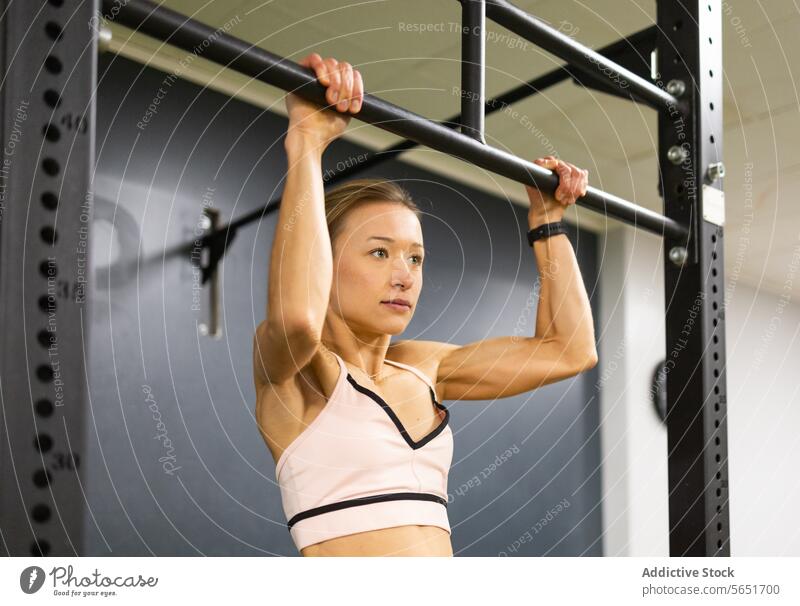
[(207, 258)]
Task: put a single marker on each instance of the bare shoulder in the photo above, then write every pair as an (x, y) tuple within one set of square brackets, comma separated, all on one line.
[(419, 353)]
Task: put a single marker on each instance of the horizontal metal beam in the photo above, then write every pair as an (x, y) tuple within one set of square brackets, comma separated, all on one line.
[(581, 57), (233, 53), (643, 38)]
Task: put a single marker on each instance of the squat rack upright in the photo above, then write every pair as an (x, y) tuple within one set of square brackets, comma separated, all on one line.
[(49, 56)]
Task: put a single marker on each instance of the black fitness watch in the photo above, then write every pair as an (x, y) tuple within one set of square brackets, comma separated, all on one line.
[(546, 230)]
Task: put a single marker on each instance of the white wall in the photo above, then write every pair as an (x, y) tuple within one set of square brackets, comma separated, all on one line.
[(763, 366), (634, 442), (764, 419)]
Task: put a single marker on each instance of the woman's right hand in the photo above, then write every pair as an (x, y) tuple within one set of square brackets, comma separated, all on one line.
[(345, 94)]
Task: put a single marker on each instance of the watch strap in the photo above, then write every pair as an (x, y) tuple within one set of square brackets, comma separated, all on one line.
[(546, 230)]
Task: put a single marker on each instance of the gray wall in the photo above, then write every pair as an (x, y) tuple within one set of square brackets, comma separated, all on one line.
[(175, 464)]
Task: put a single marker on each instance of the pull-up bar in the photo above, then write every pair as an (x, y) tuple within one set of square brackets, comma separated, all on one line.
[(584, 59), (218, 240), (186, 33)]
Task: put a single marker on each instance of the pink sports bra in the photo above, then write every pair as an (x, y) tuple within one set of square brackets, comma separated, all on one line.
[(355, 468)]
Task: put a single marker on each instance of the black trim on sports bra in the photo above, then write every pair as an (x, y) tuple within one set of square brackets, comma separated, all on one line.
[(395, 419), (389, 496)]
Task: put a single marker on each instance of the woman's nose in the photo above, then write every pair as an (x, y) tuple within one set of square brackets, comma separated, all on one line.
[(401, 271)]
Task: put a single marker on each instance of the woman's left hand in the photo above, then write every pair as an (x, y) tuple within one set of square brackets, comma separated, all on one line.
[(572, 184)]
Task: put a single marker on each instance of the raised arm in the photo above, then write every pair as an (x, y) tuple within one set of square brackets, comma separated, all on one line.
[(564, 311), (563, 344), (301, 263)]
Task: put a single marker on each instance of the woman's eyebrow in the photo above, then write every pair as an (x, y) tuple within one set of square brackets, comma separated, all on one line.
[(387, 239)]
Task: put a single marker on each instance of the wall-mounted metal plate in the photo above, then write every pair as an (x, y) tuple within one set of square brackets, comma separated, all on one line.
[(713, 205)]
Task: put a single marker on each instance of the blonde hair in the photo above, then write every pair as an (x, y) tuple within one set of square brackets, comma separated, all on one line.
[(343, 198)]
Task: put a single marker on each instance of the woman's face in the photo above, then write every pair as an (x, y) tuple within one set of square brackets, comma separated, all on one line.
[(378, 257)]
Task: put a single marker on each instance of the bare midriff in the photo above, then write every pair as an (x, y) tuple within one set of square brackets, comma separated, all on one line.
[(412, 540)]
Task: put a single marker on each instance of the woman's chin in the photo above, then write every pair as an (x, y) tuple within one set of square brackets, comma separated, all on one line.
[(399, 331), (394, 328), (378, 323)]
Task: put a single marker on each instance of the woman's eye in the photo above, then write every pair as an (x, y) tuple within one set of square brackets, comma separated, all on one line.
[(417, 258)]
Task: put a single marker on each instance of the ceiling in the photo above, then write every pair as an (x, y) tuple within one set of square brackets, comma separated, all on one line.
[(615, 139)]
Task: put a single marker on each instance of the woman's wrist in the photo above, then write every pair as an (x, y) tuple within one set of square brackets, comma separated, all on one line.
[(302, 143), (535, 221)]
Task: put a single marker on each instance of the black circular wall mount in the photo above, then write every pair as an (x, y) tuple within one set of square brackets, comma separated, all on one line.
[(658, 390)]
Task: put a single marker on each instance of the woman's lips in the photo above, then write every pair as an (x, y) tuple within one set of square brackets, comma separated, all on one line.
[(396, 306)]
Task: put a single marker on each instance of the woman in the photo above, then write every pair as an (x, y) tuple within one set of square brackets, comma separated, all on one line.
[(355, 424)]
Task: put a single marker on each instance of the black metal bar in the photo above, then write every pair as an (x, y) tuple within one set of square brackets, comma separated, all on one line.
[(628, 49), (581, 57), (600, 83), (645, 38), (473, 54), (690, 142), (219, 240), (637, 58), (183, 32)]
